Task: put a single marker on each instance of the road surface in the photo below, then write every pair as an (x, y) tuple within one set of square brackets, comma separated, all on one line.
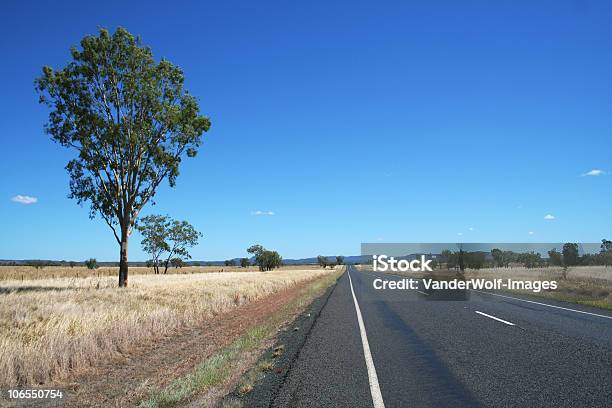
[(404, 350)]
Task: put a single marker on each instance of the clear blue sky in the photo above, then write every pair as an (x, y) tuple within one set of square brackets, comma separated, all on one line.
[(350, 121)]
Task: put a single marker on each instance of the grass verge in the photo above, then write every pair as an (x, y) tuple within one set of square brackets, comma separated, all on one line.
[(51, 329), (218, 369)]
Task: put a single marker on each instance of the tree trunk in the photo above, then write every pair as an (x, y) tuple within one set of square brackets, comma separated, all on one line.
[(123, 260)]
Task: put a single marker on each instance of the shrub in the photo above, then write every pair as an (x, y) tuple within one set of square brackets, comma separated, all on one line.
[(91, 263)]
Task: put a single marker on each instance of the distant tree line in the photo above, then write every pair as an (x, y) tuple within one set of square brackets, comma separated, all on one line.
[(567, 257), (324, 261)]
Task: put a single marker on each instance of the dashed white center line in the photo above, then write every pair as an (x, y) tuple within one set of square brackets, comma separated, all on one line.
[(545, 304), (372, 377), (495, 318)]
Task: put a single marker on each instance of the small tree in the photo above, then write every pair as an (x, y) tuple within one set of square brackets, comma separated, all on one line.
[(154, 229), (165, 236), (230, 262), (322, 261), (570, 254), (498, 257), (605, 255), (244, 262), (555, 258), (177, 262), (474, 260), (503, 258), (530, 259), (72, 264), (91, 263), (265, 259), (340, 260)]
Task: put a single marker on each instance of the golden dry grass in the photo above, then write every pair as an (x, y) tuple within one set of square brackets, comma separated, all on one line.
[(588, 285), (600, 273), (49, 327), (30, 272)]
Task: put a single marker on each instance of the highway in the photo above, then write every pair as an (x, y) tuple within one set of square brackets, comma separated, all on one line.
[(401, 348)]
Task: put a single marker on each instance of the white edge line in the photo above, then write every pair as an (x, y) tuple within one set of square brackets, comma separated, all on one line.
[(495, 318), (545, 304), (372, 377), (423, 293)]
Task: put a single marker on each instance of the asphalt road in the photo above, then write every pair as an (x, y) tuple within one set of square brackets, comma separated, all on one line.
[(488, 350)]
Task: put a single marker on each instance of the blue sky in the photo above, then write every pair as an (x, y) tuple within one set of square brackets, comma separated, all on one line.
[(350, 121)]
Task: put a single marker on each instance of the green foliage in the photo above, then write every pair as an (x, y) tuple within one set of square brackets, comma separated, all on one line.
[(503, 258), (154, 229), (230, 262), (605, 256), (91, 263), (164, 236), (555, 258), (244, 262), (474, 260), (177, 262), (570, 254), (265, 259), (129, 120), (322, 261), (340, 260), (530, 259)]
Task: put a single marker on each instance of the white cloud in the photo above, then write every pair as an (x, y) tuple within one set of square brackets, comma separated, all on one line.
[(471, 228), (24, 199), (594, 172), (460, 233), (259, 212), (531, 233), (549, 217)]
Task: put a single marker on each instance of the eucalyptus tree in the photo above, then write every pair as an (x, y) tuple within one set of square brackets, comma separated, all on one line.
[(265, 259), (163, 236), (154, 230), (130, 122), (322, 261)]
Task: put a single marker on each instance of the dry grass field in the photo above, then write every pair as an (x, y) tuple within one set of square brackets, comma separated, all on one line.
[(588, 285), (600, 273), (30, 272), (51, 327)]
